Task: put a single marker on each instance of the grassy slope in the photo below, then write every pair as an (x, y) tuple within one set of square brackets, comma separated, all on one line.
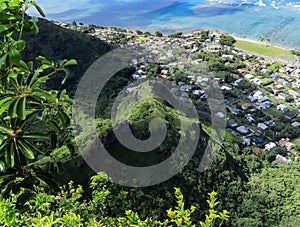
[(263, 49)]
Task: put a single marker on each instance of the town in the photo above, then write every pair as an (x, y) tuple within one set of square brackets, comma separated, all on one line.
[(261, 93)]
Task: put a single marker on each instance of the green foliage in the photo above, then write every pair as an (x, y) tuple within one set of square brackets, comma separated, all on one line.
[(204, 35), (67, 208), (25, 103), (227, 40), (158, 33), (295, 52), (272, 198), (176, 35)]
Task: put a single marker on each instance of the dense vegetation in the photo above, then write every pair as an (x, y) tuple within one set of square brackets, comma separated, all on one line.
[(37, 153)]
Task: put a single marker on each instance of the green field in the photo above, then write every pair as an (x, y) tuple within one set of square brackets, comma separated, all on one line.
[(264, 49)]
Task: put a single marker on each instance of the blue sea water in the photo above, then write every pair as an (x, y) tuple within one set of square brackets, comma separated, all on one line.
[(278, 20)]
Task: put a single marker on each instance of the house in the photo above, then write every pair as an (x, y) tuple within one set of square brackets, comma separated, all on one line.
[(186, 88), (204, 96), (262, 99), (270, 146), (252, 99), (265, 105), (284, 143), (275, 76), (227, 56), (256, 81), (277, 88), (282, 107), (258, 94), (237, 82), (290, 115), (283, 96), (249, 76), (296, 84), (245, 106), (200, 80), (220, 115), (296, 124), (242, 129), (232, 123), (235, 111), (135, 76), (250, 118), (226, 88), (280, 159), (294, 94), (131, 89), (262, 126), (164, 71), (197, 92), (270, 123), (231, 131), (257, 140), (246, 141), (283, 82)]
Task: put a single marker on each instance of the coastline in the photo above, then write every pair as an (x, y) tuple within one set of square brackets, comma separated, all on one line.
[(262, 43)]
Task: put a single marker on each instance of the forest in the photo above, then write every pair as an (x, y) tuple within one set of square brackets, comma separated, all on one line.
[(44, 181)]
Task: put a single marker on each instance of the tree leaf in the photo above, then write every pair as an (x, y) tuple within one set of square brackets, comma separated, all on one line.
[(45, 95), (3, 60), (68, 73), (38, 8), (21, 108), (4, 106), (26, 151), (5, 129), (10, 155), (12, 109), (5, 27), (70, 62), (35, 136), (48, 181), (14, 56), (2, 101)]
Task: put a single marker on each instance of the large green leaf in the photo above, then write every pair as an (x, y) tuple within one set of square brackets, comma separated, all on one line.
[(4, 106), (44, 178), (39, 81), (14, 56), (70, 62), (3, 60), (36, 136), (5, 27), (21, 108), (38, 8), (10, 155), (12, 109), (2, 101), (5, 129), (45, 95), (26, 151)]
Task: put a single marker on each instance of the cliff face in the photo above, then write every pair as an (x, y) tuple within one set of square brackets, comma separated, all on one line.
[(56, 43)]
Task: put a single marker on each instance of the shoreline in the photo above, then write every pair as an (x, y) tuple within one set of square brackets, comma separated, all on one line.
[(262, 43), (266, 45)]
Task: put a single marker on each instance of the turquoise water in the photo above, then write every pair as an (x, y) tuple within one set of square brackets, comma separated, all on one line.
[(278, 20)]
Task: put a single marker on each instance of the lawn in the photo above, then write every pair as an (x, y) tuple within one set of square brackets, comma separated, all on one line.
[(296, 142), (142, 39), (274, 112), (264, 49)]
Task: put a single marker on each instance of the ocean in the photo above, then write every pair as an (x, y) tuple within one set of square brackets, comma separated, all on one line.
[(276, 20)]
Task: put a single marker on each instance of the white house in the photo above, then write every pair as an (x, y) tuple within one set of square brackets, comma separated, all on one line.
[(270, 146), (282, 107), (262, 126), (242, 129)]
